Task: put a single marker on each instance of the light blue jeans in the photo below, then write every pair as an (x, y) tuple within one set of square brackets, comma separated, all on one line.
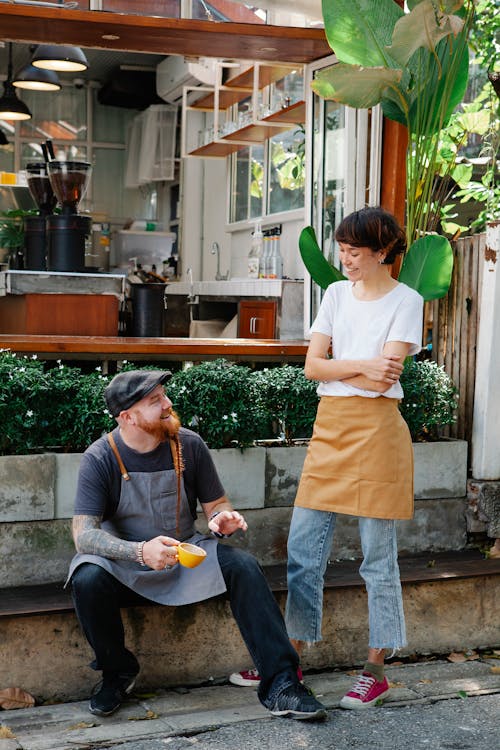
[(309, 546)]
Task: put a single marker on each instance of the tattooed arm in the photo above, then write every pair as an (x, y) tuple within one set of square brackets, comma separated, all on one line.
[(89, 538)]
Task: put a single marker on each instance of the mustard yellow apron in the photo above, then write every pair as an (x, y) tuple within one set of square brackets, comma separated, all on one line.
[(360, 459)]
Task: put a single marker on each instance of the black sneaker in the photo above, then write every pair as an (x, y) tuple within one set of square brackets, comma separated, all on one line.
[(110, 693), (298, 702)]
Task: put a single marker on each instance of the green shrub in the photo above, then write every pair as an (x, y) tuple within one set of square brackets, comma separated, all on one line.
[(216, 399), (288, 398), (430, 399), (23, 390), (45, 406)]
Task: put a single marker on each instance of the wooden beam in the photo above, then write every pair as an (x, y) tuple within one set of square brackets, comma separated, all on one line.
[(164, 36), (131, 348)]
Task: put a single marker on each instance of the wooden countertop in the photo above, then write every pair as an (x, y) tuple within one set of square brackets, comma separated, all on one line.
[(135, 349)]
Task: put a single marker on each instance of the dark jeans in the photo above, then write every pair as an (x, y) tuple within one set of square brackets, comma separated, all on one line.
[(98, 597)]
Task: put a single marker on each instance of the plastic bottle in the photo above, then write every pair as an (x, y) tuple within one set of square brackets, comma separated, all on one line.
[(275, 266), (265, 258), (255, 254)]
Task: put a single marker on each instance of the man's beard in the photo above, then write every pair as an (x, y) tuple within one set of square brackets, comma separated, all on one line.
[(161, 429)]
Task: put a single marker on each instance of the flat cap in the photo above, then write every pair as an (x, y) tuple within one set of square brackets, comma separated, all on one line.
[(127, 388)]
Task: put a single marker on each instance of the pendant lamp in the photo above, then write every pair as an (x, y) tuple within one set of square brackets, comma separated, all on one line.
[(12, 108), (59, 57), (36, 79)]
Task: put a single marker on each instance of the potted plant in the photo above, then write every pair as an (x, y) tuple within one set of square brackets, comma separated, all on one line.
[(416, 66), (12, 236)]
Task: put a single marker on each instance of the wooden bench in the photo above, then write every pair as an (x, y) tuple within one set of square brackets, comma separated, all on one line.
[(53, 598), (108, 348)]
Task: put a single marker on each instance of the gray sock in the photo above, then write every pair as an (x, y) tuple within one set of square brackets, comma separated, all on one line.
[(377, 670)]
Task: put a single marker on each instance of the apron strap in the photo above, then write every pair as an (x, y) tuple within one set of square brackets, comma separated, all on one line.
[(176, 450), (124, 472)]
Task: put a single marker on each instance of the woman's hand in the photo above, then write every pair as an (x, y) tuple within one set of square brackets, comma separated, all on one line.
[(385, 369)]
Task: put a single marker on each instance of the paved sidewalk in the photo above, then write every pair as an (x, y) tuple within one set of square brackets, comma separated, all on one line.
[(222, 716)]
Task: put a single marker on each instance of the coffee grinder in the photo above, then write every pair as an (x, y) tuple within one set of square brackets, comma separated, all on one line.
[(35, 238), (67, 232)]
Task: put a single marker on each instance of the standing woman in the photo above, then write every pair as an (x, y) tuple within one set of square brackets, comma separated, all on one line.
[(360, 458)]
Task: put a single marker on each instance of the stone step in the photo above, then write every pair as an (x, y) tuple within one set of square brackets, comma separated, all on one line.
[(182, 645)]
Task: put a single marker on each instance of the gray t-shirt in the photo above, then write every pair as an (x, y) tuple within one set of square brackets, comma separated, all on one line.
[(99, 479)]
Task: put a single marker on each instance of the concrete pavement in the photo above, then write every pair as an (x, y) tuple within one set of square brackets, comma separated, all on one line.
[(432, 704)]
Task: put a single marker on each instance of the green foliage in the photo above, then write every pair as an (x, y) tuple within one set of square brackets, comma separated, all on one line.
[(81, 415), (416, 66), (215, 399), (286, 396), (23, 389), (47, 408), (428, 266), (321, 271), (430, 399)]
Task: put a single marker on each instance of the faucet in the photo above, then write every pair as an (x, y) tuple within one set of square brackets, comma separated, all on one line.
[(215, 249), (189, 274)]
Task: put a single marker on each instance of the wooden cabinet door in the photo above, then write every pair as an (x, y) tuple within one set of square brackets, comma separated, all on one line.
[(257, 320)]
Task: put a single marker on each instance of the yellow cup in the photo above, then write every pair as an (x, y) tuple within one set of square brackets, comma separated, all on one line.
[(190, 555)]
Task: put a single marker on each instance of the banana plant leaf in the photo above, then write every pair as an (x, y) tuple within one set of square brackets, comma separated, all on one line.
[(321, 271), (446, 80), (359, 31), (423, 27), (355, 85), (428, 266)]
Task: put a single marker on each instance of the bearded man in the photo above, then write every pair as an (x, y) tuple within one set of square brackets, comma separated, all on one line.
[(136, 500)]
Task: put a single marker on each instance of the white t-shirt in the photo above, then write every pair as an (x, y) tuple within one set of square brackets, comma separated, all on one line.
[(360, 329)]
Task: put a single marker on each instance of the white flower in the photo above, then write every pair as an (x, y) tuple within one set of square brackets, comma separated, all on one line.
[(225, 416), (29, 413), (22, 369), (34, 356), (98, 369)]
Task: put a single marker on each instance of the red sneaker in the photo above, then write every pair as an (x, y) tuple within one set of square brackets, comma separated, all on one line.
[(365, 692), (251, 678)]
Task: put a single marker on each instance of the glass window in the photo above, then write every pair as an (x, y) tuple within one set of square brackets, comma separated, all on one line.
[(61, 116), (32, 151), (7, 157), (109, 124), (287, 171), (247, 183)]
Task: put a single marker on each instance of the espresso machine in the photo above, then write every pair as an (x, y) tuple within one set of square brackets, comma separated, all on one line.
[(68, 231), (35, 237)]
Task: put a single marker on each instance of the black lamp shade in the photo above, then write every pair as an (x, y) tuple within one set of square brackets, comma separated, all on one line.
[(36, 79), (59, 57), (12, 108), (3, 139)]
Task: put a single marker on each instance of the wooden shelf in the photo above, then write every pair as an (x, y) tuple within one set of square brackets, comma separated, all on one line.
[(240, 87), (216, 149), (255, 132)]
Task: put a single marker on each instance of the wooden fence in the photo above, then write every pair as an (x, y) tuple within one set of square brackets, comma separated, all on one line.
[(455, 324)]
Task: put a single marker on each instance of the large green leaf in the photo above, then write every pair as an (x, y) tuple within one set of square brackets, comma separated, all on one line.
[(359, 31), (444, 80), (427, 266), (423, 27), (321, 271), (354, 85)]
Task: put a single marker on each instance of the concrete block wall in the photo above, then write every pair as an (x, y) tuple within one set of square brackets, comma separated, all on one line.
[(37, 495)]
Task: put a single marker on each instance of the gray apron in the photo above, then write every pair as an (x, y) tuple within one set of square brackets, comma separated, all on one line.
[(147, 509)]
